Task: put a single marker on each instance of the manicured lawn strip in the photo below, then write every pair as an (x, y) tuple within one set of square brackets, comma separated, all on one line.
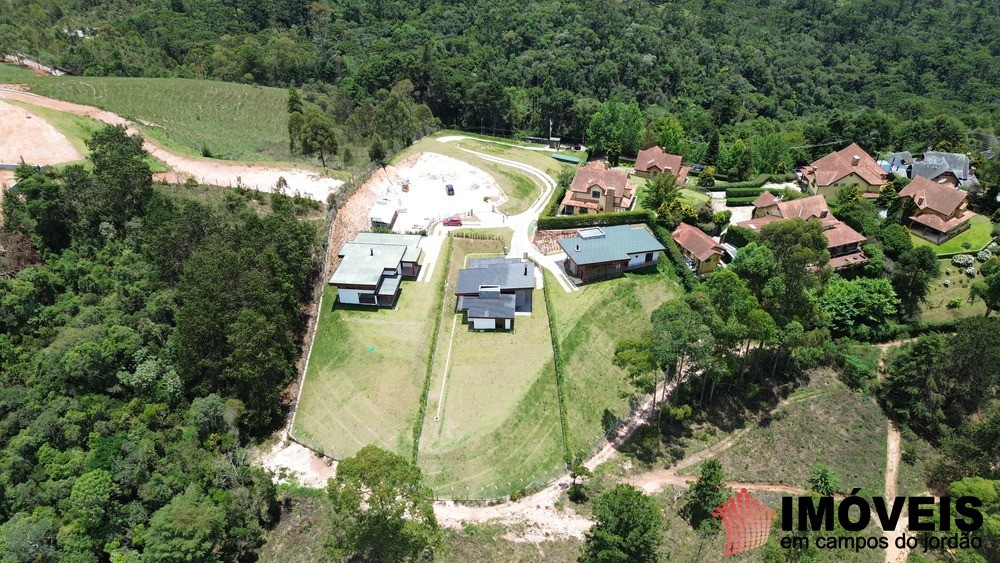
[(539, 159), (525, 192), (560, 374), (499, 421), (823, 422), (590, 323), (418, 426), (978, 236), (366, 373), (936, 306)]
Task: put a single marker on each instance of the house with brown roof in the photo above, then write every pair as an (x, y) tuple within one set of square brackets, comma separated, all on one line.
[(843, 242), (850, 166), (654, 161), (936, 211), (700, 251), (598, 189)]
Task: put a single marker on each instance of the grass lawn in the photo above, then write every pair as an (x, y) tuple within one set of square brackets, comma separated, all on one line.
[(978, 236), (589, 323), (234, 121), (936, 307), (822, 422), (499, 418), (366, 373)]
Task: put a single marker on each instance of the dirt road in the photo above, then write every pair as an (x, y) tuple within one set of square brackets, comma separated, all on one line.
[(204, 170), (24, 135)]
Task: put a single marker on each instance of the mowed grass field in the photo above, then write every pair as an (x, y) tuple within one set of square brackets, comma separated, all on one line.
[(366, 373), (494, 397), (589, 324), (822, 422), (233, 121)]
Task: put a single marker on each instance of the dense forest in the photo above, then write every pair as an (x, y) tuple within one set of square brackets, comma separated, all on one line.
[(145, 338), (852, 69)]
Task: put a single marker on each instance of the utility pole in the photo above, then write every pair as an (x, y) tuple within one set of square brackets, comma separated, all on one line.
[(550, 127)]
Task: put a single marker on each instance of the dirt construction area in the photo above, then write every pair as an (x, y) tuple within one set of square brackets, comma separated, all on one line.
[(24, 135), (425, 177)]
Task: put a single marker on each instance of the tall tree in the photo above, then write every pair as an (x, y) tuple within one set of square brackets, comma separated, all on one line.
[(670, 135), (122, 181), (912, 277), (376, 151), (616, 122), (988, 290), (712, 152), (385, 502), (707, 494), (628, 527), (318, 135)]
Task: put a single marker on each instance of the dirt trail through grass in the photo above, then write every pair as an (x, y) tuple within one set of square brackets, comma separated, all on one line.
[(203, 170)]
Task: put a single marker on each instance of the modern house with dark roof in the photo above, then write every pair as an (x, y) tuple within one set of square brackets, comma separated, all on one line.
[(843, 242), (939, 211), (850, 166), (492, 290), (598, 253), (373, 265), (700, 251), (598, 189), (654, 161)]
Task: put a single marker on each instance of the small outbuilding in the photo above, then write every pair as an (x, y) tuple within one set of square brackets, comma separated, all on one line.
[(383, 214)]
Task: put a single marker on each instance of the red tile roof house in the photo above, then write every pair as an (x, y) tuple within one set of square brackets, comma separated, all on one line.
[(653, 161), (843, 242), (941, 210), (597, 189), (850, 166), (700, 250)]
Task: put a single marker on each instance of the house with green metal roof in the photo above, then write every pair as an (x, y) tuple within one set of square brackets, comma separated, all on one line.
[(373, 265), (598, 253)]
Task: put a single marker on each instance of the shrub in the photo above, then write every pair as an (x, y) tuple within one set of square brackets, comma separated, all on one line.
[(970, 271), (955, 303), (966, 245), (984, 255), (740, 236), (962, 260)]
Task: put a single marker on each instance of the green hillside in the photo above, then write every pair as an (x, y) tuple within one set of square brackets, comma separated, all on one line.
[(233, 121)]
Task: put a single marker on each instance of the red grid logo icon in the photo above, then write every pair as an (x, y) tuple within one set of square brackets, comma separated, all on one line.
[(747, 522)]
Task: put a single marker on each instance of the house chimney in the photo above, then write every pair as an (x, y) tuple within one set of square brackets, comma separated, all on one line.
[(578, 248), (668, 170), (855, 160), (371, 252), (525, 269)]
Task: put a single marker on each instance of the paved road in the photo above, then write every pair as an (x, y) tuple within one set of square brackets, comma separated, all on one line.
[(523, 223)]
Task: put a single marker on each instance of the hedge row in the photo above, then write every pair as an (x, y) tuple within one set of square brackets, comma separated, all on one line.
[(418, 427), (552, 208), (738, 201), (593, 220), (687, 277), (760, 181), (557, 363), (747, 192)]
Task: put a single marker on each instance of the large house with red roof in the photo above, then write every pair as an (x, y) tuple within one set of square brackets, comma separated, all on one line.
[(843, 242), (654, 161), (939, 211), (850, 166), (598, 189), (700, 251)]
